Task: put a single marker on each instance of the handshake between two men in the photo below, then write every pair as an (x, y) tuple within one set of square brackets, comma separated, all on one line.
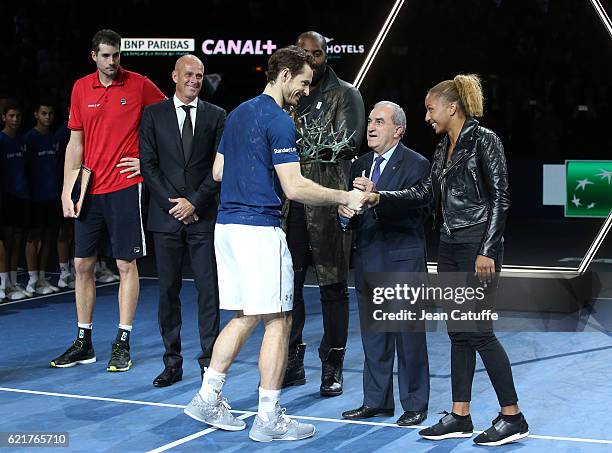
[(366, 189)]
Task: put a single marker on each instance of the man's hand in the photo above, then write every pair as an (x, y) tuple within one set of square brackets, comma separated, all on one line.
[(191, 219), (71, 210), (370, 200), (355, 200), (182, 210), (485, 269), (363, 183), (132, 166), (345, 212)]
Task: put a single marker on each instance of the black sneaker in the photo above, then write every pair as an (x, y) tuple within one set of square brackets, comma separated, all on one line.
[(449, 427), (79, 352), (120, 358), (503, 432)]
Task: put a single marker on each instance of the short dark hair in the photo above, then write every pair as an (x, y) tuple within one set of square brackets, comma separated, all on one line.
[(106, 36), (292, 57), (11, 104), (47, 102)]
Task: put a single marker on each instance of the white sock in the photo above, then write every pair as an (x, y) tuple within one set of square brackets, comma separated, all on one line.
[(125, 327), (33, 277), (65, 268), (13, 277), (268, 399), (82, 325), (212, 384), (41, 275), (4, 280)]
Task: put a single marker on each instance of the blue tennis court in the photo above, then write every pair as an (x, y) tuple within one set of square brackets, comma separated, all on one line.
[(563, 382)]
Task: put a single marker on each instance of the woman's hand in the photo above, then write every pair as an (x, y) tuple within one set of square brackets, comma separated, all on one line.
[(485, 269)]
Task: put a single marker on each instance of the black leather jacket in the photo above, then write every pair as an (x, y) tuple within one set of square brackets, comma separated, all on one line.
[(473, 189)]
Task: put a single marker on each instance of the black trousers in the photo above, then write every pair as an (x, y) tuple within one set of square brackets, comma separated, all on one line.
[(457, 260), (334, 298), (170, 249)]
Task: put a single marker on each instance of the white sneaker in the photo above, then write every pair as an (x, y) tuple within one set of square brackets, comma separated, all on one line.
[(111, 274), (54, 288), (43, 287), (27, 293), (31, 287), (214, 413), (65, 281), (14, 293), (105, 275), (2, 294), (279, 427)]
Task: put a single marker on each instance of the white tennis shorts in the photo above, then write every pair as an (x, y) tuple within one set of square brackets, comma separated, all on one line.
[(254, 268)]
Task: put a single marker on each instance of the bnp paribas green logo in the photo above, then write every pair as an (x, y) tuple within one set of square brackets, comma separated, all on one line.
[(589, 188)]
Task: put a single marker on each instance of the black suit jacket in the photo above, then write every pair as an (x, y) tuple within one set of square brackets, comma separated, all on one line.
[(167, 175)]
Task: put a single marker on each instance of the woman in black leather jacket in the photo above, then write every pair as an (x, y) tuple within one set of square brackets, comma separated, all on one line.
[(468, 187)]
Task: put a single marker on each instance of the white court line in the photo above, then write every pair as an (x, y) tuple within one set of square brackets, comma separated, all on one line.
[(300, 417), (95, 398), (191, 280), (193, 436), (61, 293)]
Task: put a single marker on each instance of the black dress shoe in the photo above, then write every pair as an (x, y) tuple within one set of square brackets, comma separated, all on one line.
[(367, 412), (169, 376), (410, 418)]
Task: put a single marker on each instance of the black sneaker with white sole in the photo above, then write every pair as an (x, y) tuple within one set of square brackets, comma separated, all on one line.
[(505, 429), (450, 426), (120, 358), (80, 352)]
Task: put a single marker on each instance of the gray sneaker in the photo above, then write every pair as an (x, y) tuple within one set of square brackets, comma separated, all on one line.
[(216, 414), (279, 427)]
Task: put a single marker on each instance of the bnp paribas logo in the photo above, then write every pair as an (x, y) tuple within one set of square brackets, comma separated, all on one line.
[(589, 188)]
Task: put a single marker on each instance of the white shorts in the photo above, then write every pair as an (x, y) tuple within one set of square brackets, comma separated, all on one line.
[(254, 268)]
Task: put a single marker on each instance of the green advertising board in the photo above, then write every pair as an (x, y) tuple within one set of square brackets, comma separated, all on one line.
[(588, 188)]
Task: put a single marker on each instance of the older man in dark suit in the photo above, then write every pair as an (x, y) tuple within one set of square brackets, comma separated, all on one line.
[(389, 242), (178, 142)]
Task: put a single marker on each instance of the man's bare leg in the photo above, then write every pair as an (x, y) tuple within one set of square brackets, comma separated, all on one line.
[(129, 288), (32, 248), (85, 288), (206, 406), (274, 348), (4, 276), (230, 341)]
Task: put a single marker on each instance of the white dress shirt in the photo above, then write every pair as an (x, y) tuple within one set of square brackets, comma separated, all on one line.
[(180, 113), (386, 156)]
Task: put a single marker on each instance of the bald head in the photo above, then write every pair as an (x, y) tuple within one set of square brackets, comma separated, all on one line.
[(314, 43), (185, 59), (313, 35), (188, 75)]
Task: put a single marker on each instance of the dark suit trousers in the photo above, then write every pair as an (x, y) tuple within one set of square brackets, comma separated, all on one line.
[(334, 298), (412, 364), (170, 249)]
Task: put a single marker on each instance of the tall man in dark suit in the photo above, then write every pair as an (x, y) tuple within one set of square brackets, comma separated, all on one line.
[(178, 142), (389, 242)]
